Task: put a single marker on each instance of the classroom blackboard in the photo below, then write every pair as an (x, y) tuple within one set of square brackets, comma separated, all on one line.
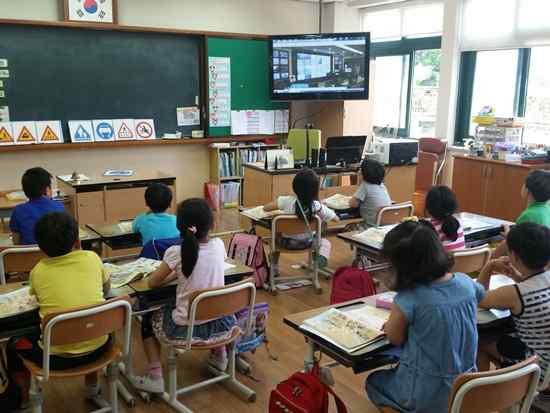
[(60, 73), (249, 75)]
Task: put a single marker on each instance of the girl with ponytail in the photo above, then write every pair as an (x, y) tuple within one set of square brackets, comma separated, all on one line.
[(197, 263), (441, 205), (433, 319)]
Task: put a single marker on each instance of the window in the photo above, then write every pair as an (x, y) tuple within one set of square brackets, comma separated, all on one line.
[(390, 89), (499, 24), (495, 82), (425, 88), (537, 111), (404, 21)]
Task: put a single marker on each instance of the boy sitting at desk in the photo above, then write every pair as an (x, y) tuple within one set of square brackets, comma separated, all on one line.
[(536, 190), (66, 279), (529, 254), (37, 185), (372, 194), (156, 224)]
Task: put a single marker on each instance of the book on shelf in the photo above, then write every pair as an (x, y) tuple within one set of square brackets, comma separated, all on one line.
[(350, 330), (229, 194)]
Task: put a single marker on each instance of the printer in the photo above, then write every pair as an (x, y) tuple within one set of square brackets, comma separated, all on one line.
[(395, 151)]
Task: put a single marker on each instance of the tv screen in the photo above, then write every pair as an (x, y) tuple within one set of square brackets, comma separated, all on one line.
[(319, 66)]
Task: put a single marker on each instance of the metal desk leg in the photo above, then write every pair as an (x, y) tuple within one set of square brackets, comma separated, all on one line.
[(309, 359)]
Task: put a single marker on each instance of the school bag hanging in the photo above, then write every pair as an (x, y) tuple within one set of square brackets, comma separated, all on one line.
[(156, 248), (249, 250), (350, 283), (303, 393)]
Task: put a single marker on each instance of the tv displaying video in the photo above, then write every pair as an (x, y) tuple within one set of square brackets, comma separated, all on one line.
[(319, 66)]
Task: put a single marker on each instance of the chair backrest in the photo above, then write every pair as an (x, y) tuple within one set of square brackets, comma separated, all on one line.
[(394, 214), (19, 259), (214, 303), (496, 390), (472, 259), (86, 323), (431, 161), (292, 225), (426, 171)]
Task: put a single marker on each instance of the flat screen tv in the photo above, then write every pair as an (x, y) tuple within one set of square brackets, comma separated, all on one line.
[(319, 66)]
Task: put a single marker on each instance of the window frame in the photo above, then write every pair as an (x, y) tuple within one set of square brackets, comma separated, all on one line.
[(405, 47), (466, 79)]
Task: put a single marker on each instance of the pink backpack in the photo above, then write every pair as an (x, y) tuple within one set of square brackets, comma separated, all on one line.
[(249, 250), (351, 283)]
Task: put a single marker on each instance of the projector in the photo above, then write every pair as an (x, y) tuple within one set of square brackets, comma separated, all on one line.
[(394, 151)]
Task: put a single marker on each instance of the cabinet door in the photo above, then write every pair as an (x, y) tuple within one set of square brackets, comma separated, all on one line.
[(469, 184), (124, 203), (91, 208), (504, 184)]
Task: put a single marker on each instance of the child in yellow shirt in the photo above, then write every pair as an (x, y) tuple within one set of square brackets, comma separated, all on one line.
[(67, 278)]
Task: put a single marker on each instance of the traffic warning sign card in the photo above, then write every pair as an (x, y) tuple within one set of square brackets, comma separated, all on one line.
[(24, 133), (6, 134), (49, 131), (103, 130), (124, 129), (144, 129), (81, 131)]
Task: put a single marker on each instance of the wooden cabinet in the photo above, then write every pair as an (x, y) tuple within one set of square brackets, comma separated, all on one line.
[(491, 188)]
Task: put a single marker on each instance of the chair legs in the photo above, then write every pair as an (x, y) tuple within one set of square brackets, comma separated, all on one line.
[(312, 269), (228, 379), (35, 395)]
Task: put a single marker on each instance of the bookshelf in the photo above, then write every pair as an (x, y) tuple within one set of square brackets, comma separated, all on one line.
[(226, 169)]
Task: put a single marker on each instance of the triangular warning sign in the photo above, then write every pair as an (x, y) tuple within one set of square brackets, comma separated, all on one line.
[(125, 132), (5, 136), (49, 135), (25, 135)]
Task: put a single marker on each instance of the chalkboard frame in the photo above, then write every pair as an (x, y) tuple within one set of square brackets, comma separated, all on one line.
[(203, 58)]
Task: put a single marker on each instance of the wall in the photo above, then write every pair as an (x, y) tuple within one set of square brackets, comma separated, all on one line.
[(246, 16)]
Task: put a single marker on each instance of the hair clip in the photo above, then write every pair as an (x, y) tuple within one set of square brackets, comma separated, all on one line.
[(192, 230)]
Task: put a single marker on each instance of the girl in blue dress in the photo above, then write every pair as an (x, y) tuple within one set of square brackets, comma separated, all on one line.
[(433, 319)]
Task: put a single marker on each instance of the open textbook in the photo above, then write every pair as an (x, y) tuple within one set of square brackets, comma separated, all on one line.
[(17, 301), (258, 213), (350, 330), (338, 201), (132, 271), (374, 237)]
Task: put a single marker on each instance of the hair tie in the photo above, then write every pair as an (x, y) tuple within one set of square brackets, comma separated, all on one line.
[(192, 230)]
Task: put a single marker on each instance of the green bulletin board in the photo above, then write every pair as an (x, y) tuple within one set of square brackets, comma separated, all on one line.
[(249, 75)]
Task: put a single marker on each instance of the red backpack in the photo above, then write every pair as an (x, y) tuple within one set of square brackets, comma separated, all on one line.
[(351, 283), (303, 393), (249, 250)]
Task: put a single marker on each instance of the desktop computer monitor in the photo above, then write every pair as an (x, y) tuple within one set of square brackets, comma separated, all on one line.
[(347, 149)]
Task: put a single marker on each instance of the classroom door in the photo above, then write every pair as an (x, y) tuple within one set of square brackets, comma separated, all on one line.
[(504, 184), (469, 185)]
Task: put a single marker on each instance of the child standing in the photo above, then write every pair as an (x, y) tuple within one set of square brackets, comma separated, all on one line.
[(156, 224), (433, 318), (305, 204), (68, 278), (37, 185), (441, 205), (372, 194), (529, 253), (197, 264)]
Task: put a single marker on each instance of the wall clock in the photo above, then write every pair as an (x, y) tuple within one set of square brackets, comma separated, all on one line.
[(94, 11)]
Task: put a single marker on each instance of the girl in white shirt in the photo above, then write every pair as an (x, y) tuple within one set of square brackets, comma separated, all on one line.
[(197, 263), (305, 204)]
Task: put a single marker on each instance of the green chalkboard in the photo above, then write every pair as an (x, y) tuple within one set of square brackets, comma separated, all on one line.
[(249, 75), (60, 73)]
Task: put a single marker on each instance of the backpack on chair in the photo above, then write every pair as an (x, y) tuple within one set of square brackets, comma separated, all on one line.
[(351, 283), (303, 393), (249, 250)]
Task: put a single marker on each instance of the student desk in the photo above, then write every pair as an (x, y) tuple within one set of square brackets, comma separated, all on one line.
[(373, 356), (478, 230), (28, 321), (104, 199), (119, 238), (262, 187), (6, 207)]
